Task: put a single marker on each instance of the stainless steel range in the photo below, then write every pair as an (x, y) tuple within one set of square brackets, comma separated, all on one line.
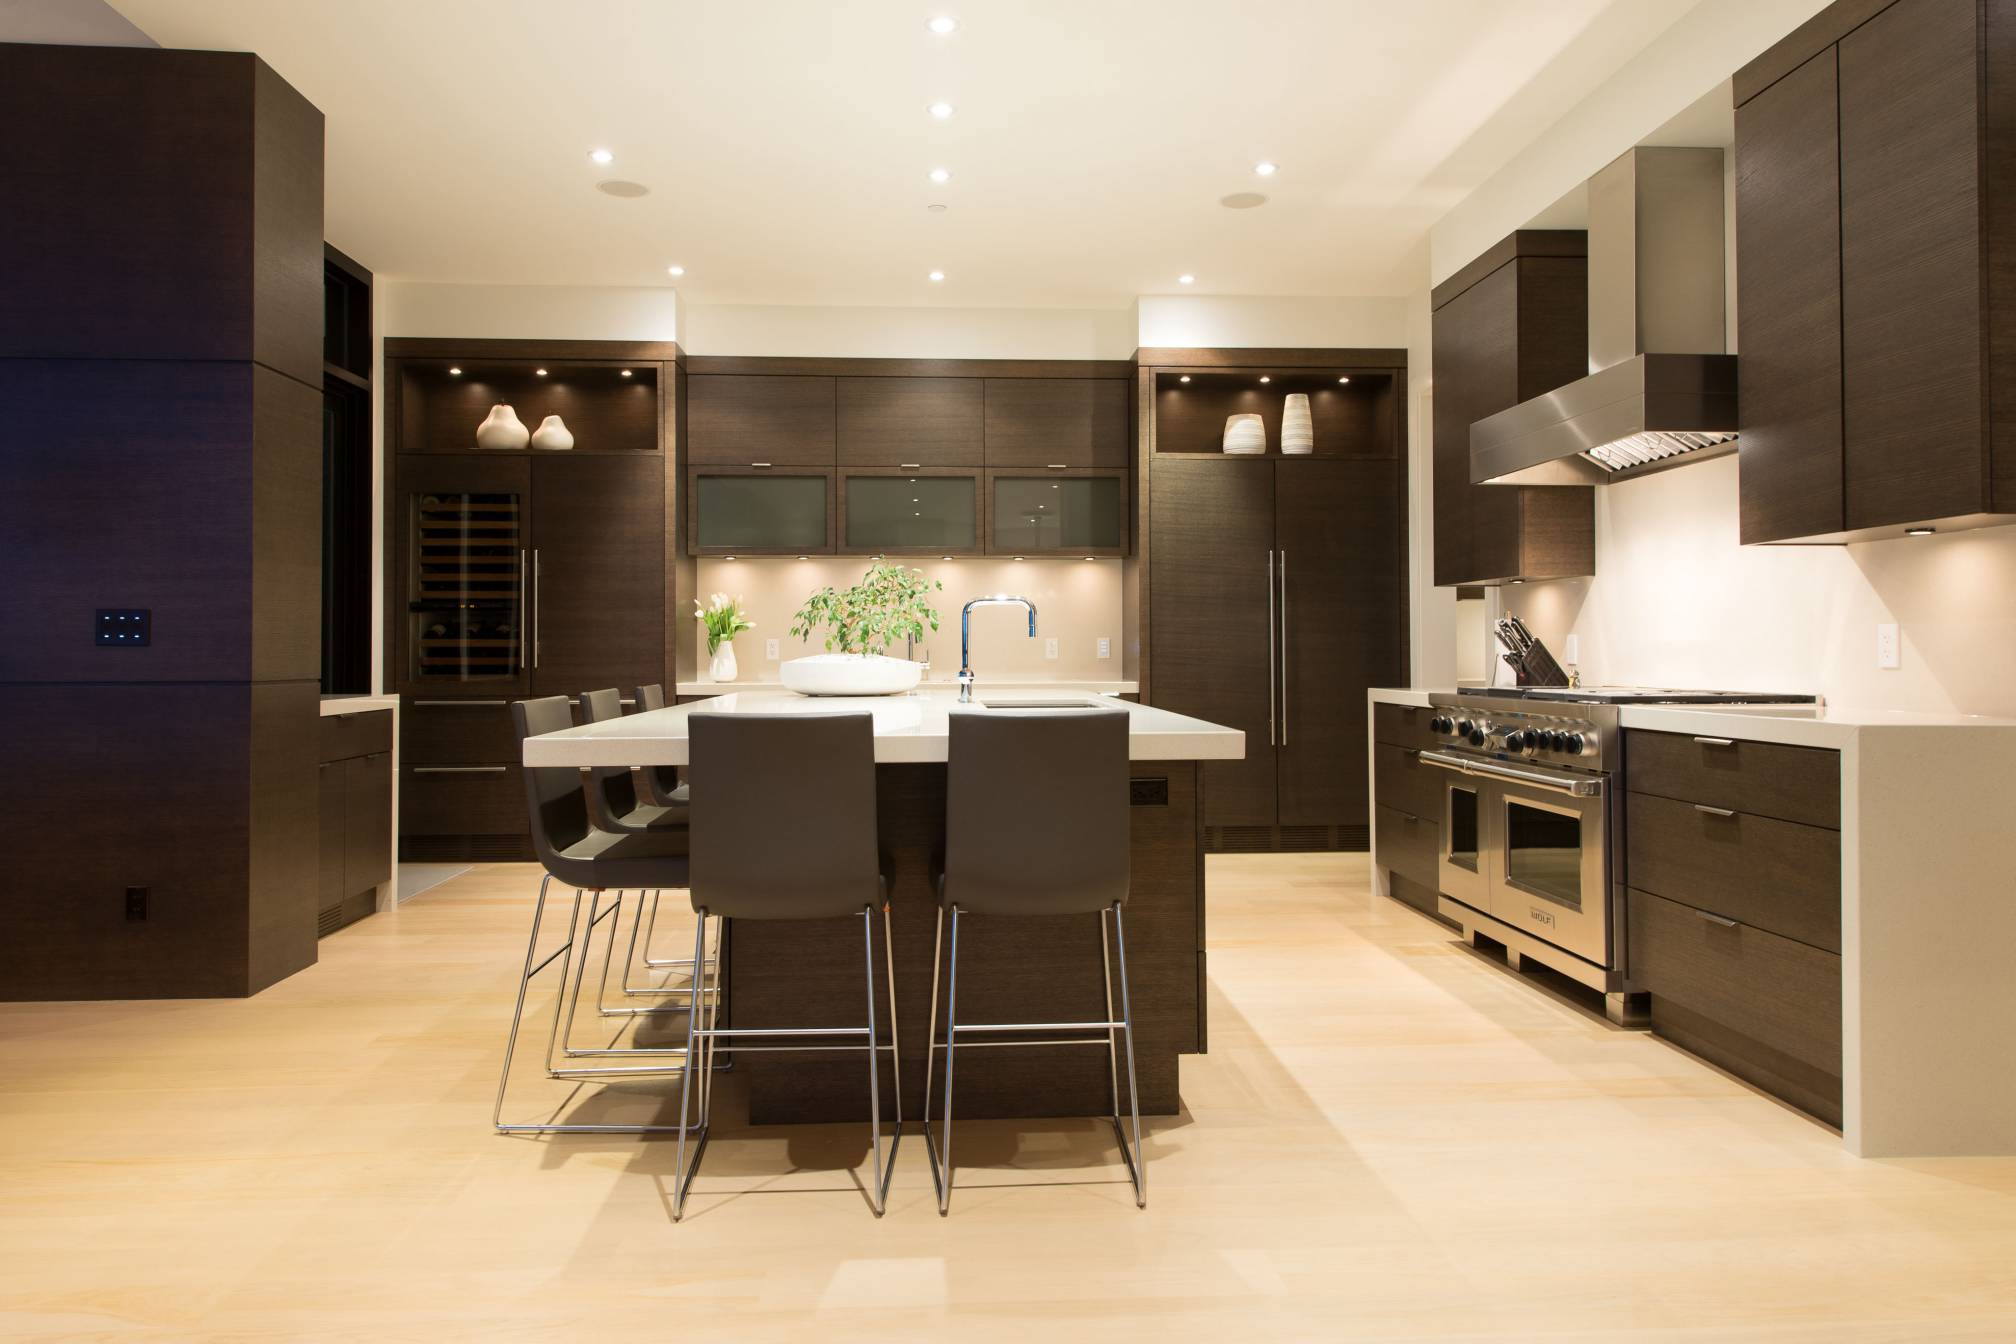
[(1531, 841)]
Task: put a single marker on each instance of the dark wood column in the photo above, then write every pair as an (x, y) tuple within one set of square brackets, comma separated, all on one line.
[(161, 373)]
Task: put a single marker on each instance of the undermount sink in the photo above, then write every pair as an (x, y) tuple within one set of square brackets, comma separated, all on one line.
[(1039, 704)]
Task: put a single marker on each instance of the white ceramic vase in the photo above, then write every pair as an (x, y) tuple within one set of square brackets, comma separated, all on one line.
[(1246, 433), (723, 668), (502, 429), (1298, 431), (553, 435), (850, 674)]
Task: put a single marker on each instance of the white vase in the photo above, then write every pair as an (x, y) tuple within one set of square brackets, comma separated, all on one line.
[(553, 435), (1298, 431), (1245, 433), (502, 429), (723, 668)]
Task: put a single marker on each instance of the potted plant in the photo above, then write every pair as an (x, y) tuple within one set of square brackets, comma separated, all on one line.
[(860, 624), (724, 620)]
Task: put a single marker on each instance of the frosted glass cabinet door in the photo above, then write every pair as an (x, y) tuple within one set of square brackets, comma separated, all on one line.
[(1058, 513), (910, 512), (762, 513)]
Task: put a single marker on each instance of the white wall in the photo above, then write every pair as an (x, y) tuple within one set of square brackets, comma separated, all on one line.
[(73, 23), (1676, 601), (909, 333), (549, 312), (1207, 320)]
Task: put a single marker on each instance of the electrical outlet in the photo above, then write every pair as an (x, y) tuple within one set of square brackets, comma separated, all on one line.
[(770, 649), (1050, 648), (1105, 647), (136, 904), (1886, 647)]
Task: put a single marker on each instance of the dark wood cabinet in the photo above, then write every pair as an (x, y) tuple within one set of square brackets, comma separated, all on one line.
[(1872, 165), (745, 419), (912, 511), (598, 574), (1212, 581), (897, 421), (742, 510), (1511, 325), (1066, 422), (355, 855), (1278, 592), (1072, 511)]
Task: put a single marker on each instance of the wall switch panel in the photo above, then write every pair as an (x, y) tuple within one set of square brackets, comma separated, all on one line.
[(1105, 647), (1886, 647), (770, 649), (1050, 648), (123, 627)]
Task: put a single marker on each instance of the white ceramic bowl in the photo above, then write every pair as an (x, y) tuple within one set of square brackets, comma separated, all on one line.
[(850, 674)]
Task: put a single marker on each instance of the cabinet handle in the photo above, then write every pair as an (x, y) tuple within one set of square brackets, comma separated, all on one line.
[(1714, 811), (1057, 466), (1284, 648), (759, 464), (909, 466), (521, 611), (1716, 741), (537, 607), (460, 704), (459, 769), (325, 765), (1270, 650), (1716, 919)]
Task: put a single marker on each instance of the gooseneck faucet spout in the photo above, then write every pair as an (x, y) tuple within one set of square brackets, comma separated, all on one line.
[(966, 636)]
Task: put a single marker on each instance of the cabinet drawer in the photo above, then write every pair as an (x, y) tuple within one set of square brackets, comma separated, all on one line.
[(1402, 725), (1778, 875), (359, 734), (462, 800), (1402, 783), (1767, 1008), (367, 822), (1792, 783), (449, 732), (1406, 844)]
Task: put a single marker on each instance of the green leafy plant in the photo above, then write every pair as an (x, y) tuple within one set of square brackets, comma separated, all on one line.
[(723, 618), (890, 603)]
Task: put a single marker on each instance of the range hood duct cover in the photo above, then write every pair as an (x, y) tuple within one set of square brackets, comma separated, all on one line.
[(1663, 391)]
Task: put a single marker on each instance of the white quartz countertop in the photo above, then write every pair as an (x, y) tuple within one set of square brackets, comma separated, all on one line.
[(356, 704), (908, 728), (931, 685)]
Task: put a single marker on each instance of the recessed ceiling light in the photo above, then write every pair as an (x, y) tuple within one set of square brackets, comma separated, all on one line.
[(941, 175), (1186, 279), (1266, 169), (601, 156), (1518, 580), (540, 372), (943, 24), (937, 276), (1919, 531), (942, 111), (675, 270), (1183, 378), (1265, 379), (456, 372)]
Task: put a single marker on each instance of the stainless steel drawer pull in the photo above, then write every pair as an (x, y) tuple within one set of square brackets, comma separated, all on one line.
[(759, 464), (1716, 919), (1568, 784), (1715, 811), (460, 769), (1716, 741), (910, 466), (460, 704), (1058, 466)]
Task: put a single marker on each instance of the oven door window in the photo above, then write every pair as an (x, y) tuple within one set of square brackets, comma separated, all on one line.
[(1464, 816), (1543, 851)]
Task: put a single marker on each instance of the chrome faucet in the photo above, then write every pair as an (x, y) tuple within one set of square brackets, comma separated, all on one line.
[(966, 634)]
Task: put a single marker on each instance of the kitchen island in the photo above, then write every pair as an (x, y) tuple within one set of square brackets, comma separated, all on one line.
[(1041, 969)]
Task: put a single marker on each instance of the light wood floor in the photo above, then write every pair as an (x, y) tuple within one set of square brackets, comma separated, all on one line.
[(1393, 1138)]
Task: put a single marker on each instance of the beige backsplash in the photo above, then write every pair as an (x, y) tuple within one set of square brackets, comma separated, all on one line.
[(1077, 604)]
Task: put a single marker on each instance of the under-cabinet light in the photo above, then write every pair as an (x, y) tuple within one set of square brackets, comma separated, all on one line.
[(1919, 531), (1265, 379), (455, 371), (540, 372), (626, 373), (1345, 379), (1183, 378)]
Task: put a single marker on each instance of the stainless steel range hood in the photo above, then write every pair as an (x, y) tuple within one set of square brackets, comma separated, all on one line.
[(1661, 391)]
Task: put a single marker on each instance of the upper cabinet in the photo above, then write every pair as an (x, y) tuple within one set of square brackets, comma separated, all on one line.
[(1511, 325), (1873, 238), (759, 420), (906, 422), (1057, 422)]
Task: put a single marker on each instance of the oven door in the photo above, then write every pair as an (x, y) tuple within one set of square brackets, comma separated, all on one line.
[(1550, 861), (1463, 848)]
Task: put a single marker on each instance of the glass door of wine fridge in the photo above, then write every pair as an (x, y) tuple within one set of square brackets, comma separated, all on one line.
[(466, 570)]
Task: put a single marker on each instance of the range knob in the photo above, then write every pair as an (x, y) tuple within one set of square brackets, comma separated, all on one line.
[(1478, 733), (1440, 724), (1572, 742), (1550, 739), (1463, 727), (1519, 739)]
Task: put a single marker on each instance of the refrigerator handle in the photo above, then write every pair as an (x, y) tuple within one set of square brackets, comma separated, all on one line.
[(1284, 648), (521, 611), (1270, 649), (536, 606)]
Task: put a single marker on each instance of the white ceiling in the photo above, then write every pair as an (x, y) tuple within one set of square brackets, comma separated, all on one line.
[(786, 144)]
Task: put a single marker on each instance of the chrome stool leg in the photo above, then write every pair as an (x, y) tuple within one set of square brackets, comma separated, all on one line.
[(951, 1039), (682, 1175), (1136, 1167)]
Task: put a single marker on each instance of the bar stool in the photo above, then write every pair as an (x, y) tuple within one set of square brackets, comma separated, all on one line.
[(814, 773), (589, 859), (617, 806), (1060, 776), (661, 782)]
